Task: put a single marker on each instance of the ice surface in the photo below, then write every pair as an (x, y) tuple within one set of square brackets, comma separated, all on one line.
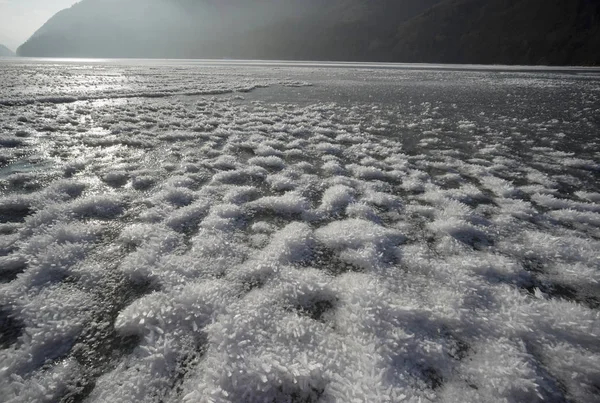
[(337, 234)]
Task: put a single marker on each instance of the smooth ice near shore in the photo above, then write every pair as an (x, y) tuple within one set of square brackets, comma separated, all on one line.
[(289, 233)]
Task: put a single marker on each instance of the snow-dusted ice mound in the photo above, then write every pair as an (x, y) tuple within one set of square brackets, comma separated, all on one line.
[(378, 236)]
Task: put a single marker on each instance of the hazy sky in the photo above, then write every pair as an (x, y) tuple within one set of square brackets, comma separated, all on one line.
[(19, 19)]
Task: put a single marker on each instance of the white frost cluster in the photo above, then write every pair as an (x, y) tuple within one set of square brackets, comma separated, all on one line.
[(163, 241)]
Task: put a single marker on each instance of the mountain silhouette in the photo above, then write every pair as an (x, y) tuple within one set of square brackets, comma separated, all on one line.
[(6, 52), (449, 31), (274, 29), (551, 32)]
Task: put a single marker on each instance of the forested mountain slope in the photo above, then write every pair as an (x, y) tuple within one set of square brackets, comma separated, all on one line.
[(555, 32)]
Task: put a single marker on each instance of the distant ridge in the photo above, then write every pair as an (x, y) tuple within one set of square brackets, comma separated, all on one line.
[(6, 52), (238, 29), (550, 32), (554, 32)]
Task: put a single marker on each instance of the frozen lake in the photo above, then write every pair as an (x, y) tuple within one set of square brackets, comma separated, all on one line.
[(225, 231)]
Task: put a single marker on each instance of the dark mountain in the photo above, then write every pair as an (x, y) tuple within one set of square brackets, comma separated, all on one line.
[(554, 32), (275, 29), (6, 52), (444, 31)]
